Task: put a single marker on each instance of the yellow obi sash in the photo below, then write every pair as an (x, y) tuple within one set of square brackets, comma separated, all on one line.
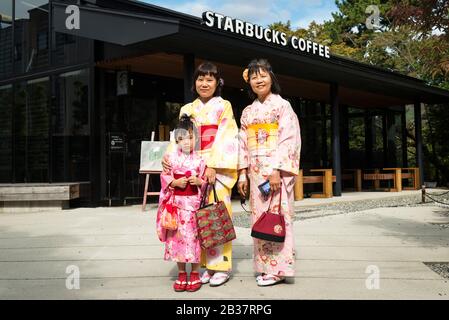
[(262, 136)]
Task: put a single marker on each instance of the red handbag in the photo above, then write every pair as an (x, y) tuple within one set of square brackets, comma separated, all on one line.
[(270, 226)]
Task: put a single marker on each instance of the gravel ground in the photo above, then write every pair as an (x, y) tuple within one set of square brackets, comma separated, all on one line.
[(241, 219), (442, 268)]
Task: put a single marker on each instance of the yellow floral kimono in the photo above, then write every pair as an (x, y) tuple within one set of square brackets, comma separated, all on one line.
[(218, 146)]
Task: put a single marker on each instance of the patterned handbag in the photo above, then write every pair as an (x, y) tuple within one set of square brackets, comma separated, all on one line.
[(215, 226), (270, 226)]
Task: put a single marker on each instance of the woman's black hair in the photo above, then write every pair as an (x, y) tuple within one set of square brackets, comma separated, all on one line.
[(185, 124), (204, 69), (254, 67)]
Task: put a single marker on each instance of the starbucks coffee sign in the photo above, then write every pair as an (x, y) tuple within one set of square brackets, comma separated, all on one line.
[(219, 21)]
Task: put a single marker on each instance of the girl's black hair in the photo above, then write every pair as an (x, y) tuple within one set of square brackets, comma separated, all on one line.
[(185, 124), (254, 67), (204, 69)]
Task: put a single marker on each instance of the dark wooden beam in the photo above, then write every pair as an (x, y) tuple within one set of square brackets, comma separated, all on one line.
[(418, 137), (336, 153)]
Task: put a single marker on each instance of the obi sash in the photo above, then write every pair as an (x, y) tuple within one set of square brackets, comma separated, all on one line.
[(262, 136), (189, 190), (207, 136)]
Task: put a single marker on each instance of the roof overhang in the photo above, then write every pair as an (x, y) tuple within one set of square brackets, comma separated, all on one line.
[(116, 27), (148, 28)]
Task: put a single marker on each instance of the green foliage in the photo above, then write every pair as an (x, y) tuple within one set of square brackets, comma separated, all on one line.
[(412, 38)]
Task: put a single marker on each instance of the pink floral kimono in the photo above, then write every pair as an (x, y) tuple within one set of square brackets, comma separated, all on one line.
[(181, 245), (270, 139), (219, 149)]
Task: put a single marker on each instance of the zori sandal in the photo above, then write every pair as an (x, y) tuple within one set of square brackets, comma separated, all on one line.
[(181, 283), (269, 280), (219, 278), (194, 283)]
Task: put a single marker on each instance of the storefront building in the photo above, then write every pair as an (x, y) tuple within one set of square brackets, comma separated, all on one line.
[(123, 70)]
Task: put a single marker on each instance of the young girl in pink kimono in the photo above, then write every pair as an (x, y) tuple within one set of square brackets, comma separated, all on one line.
[(181, 186)]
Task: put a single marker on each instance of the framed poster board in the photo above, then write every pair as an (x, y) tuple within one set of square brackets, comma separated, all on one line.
[(151, 153)]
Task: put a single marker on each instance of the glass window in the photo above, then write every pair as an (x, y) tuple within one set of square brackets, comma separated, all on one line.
[(71, 128), (5, 37), (356, 133), (31, 35), (31, 130), (70, 49), (6, 134), (38, 130), (20, 132), (398, 142), (378, 140)]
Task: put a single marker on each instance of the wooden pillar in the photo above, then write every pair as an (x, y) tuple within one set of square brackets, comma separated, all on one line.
[(418, 142), (336, 153), (358, 180), (189, 69), (398, 180), (327, 184)]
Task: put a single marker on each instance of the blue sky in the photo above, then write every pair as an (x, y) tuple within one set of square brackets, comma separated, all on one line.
[(262, 12)]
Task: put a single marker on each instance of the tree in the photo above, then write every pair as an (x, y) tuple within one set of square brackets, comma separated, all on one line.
[(410, 37)]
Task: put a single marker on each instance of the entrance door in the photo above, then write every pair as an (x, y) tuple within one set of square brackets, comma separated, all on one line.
[(129, 121), (149, 103)]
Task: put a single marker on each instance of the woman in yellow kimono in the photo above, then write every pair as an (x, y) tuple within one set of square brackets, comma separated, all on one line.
[(218, 146)]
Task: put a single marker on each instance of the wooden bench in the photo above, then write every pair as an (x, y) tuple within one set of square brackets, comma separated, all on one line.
[(32, 196), (378, 176), (413, 175), (325, 179)]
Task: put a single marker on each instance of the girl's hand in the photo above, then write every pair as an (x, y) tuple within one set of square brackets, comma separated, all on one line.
[(210, 175), (179, 183), (165, 164), (275, 180), (195, 181)]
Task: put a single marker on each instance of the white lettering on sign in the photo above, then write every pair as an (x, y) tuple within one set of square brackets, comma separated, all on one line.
[(222, 22), (208, 17)]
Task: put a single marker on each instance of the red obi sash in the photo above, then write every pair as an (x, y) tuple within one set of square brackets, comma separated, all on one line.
[(207, 136), (189, 190)]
